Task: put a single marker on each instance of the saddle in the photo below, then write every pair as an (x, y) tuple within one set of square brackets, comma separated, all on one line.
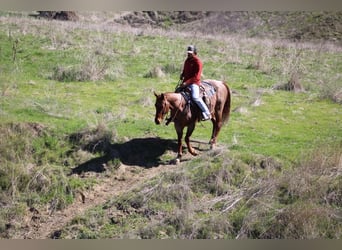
[(207, 90)]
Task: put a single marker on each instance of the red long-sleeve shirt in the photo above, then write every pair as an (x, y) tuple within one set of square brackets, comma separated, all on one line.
[(192, 70)]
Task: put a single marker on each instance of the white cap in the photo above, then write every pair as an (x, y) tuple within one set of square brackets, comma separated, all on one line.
[(191, 49)]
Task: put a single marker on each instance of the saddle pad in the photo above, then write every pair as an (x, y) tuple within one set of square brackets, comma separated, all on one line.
[(208, 88)]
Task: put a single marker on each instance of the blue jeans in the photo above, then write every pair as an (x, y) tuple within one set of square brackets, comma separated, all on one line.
[(195, 94)]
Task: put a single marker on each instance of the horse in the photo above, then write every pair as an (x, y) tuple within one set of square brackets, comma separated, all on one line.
[(184, 116)]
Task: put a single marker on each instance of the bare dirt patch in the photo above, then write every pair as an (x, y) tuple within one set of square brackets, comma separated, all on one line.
[(42, 224), (138, 161)]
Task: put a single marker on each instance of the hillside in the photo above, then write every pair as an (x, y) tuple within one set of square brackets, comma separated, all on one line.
[(295, 26), (81, 156)]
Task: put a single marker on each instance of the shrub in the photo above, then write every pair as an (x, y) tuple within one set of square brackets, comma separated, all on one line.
[(92, 68), (332, 90)]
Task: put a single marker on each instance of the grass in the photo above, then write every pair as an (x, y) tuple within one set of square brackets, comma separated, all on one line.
[(60, 79), (294, 124), (229, 197)]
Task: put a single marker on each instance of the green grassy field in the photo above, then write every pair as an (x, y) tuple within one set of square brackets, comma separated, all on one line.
[(62, 78)]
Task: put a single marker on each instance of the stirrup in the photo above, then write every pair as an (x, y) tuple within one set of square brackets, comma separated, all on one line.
[(206, 118)]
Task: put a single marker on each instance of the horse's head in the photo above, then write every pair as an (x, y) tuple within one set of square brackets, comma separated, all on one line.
[(162, 108)]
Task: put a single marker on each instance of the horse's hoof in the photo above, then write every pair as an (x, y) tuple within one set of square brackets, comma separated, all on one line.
[(194, 153), (175, 161), (212, 146)]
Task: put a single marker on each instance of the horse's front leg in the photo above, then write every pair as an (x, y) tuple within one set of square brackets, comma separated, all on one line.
[(187, 139), (179, 138)]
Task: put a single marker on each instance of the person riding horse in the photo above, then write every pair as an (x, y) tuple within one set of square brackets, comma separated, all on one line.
[(191, 77), (175, 103)]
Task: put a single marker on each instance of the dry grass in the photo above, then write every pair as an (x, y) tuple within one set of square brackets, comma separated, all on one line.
[(298, 203), (309, 198)]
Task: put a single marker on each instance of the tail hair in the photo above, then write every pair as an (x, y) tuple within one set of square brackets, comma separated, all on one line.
[(227, 104)]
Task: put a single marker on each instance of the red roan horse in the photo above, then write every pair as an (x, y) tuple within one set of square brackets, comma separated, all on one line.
[(176, 103)]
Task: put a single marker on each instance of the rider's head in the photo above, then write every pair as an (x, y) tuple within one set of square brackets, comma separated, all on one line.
[(191, 50)]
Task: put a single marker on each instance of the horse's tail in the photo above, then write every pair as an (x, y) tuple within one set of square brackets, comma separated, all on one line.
[(227, 104)]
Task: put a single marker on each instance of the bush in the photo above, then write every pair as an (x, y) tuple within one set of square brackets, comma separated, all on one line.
[(92, 68), (332, 90)]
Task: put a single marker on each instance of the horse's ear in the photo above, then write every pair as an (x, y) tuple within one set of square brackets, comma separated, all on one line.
[(155, 93)]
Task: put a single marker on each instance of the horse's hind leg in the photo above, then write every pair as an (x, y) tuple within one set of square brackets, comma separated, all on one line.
[(189, 131), (217, 124)]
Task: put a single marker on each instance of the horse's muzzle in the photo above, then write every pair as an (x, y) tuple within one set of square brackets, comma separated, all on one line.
[(157, 121)]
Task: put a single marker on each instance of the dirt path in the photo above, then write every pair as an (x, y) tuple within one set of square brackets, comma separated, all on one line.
[(42, 224)]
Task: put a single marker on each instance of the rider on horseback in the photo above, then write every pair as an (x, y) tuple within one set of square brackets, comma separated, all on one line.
[(191, 76)]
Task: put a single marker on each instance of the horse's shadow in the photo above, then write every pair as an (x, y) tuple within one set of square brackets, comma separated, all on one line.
[(143, 152)]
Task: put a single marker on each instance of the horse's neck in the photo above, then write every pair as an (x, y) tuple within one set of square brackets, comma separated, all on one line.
[(175, 100)]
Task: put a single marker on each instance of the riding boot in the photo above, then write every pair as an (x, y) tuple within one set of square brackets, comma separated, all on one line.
[(199, 101), (205, 111), (205, 117)]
